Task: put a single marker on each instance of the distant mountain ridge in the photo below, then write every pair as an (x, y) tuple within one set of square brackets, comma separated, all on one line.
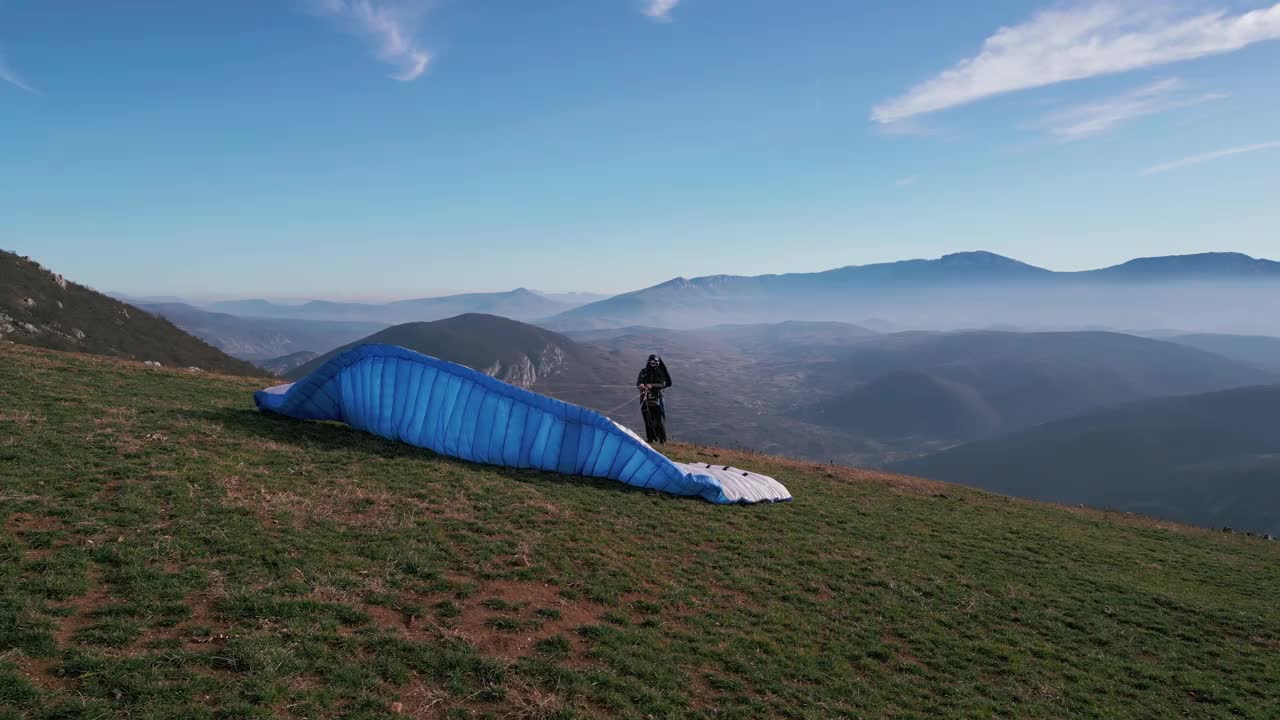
[(958, 290), (1197, 266), (518, 304), (258, 338), (41, 308)]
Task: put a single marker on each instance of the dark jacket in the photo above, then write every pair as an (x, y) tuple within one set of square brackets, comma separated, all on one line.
[(659, 377)]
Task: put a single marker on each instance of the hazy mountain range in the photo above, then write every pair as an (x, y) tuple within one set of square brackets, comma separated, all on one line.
[(259, 339), (965, 290), (518, 304), (1199, 293), (1151, 423)]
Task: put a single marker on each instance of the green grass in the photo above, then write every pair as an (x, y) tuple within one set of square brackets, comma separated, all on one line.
[(169, 552)]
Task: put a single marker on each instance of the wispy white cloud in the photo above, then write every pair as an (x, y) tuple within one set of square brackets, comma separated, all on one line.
[(911, 127), (660, 9), (1079, 42), (388, 26), (903, 182), (1206, 157), (1098, 116), (12, 77)]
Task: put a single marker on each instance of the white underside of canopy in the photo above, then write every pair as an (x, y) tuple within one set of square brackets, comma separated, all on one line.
[(740, 485)]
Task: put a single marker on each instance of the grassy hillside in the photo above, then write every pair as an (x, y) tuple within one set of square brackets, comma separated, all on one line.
[(169, 552), (1212, 459), (42, 309)]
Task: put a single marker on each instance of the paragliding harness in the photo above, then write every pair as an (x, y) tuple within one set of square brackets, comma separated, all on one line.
[(653, 379)]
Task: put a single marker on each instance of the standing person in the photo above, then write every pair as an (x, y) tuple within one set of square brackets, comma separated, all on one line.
[(653, 379)]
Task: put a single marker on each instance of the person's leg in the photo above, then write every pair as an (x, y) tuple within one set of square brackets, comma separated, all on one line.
[(648, 421), (661, 414)]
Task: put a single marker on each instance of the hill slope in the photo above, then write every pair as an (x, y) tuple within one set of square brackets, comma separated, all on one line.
[(190, 557), (909, 403), (1211, 459), (506, 349), (958, 386), (258, 339), (42, 309), (1260, 351)]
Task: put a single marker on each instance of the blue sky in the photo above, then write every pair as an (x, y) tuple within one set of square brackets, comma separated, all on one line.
[(395, 148)]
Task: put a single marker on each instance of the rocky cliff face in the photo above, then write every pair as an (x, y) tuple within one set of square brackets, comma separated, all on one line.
[(285, 363), (524, 371), (39, 319)]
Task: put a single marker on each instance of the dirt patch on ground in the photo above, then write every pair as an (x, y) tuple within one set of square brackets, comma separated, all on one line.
[(37, 671), (420, 701), (80, 608), (1273, 643), (722, 597), (901, 650), (702, 696), (202, 628), (505, 619), (20, 523)]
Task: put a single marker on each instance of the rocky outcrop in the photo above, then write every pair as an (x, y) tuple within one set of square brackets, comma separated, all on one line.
[(525, 371), (285, 363)]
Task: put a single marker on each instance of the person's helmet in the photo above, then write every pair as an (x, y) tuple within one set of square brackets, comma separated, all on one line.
[(654, 359)]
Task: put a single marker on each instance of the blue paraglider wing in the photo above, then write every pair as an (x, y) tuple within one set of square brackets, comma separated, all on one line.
[(456, 411)]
